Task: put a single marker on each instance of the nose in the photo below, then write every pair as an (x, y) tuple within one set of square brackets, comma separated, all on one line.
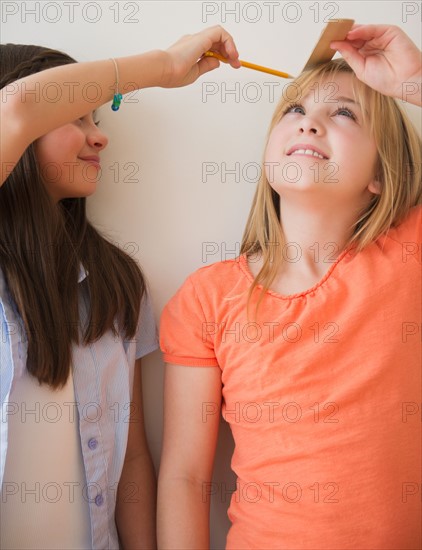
[(310, 125), (97, 139)]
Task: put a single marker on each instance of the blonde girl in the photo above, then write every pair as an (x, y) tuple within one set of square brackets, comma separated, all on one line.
[(308, 343)]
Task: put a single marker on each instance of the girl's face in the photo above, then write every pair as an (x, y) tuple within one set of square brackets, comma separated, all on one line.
[(69, 158), (321, 147)]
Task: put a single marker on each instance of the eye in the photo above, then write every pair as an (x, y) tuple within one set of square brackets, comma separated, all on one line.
[(345, 111), (95, 118), (295, 108)]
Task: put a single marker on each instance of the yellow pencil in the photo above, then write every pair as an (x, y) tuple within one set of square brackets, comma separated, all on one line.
[(250, 65)]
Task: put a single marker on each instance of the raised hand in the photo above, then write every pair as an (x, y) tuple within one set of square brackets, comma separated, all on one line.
[(385, 58), (184, 59)]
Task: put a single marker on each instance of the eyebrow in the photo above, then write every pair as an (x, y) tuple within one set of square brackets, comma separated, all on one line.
[(347, 100)]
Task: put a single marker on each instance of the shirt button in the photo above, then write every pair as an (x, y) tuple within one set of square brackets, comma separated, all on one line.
[(92, 444), (99, 500)]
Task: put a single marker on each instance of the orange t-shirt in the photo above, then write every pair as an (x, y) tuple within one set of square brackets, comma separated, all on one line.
[(322, 392)]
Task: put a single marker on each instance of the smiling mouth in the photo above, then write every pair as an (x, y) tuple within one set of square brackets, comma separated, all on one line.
[(92, 162), (307, 152)]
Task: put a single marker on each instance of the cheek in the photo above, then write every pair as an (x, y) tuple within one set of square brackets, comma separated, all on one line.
[(271, 161), (275, 147), (371, 154), (61, 145), (356, 154), (275, 158)]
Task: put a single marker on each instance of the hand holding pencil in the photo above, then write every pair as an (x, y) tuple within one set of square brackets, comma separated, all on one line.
[(250, 65)]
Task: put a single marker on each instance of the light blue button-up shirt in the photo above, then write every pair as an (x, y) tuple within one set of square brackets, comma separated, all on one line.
[(103, 382)]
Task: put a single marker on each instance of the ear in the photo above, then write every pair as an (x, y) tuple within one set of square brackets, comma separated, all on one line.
[(375, 187)]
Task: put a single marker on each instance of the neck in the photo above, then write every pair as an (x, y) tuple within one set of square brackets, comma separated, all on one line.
[(315, 234), (316, 231)]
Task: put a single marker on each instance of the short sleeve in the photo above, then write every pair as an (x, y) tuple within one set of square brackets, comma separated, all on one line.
[(409, 235), (146, 338), (182, 328)]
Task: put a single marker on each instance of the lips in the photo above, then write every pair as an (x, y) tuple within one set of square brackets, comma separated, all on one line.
[(307, 150), (94, 160)]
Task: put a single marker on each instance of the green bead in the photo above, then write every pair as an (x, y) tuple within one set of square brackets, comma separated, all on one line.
[(117, 99)]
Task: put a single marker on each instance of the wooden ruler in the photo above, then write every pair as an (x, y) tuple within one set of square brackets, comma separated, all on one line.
[(336, 29)]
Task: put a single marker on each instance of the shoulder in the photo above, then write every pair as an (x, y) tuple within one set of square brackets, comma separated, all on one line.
[(201, 301), (220, 277), (406, 236), (207, 288), (410, 227), (210, 285)]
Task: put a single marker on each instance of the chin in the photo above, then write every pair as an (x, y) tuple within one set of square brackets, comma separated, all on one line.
[(301, 186), (87, 193), (82, 194)]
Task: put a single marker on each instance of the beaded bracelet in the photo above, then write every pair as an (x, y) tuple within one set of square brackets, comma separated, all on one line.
[(117, 99)]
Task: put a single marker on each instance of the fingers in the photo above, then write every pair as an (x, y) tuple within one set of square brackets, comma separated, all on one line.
[(350, 54), (207, 64), (367, 32), (358, 43), (232, 54), (362, 34), (222, 42), (341, 44), (361, 37)]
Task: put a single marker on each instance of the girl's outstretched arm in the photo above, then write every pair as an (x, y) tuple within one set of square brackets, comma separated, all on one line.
[(385, 58), (26, 113), (192, 400), (136, 494)]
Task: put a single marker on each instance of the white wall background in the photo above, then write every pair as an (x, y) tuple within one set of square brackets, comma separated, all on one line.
[(180, 169)]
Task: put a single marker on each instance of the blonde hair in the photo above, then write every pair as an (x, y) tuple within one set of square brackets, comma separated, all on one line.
[(398, 171)]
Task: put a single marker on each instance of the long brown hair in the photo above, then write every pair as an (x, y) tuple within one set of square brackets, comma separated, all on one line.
[(398, 171), (42, 246)]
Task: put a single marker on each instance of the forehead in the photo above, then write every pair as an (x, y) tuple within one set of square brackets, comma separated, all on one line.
[(330, 89)]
